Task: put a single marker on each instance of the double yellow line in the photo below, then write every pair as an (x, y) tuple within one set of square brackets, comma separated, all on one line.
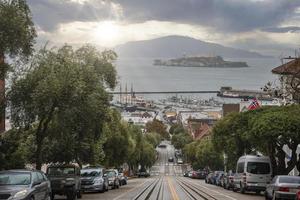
[(172, 190)]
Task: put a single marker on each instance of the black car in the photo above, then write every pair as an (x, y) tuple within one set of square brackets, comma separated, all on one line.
[(24, 184), (143, 173), (65, 180)]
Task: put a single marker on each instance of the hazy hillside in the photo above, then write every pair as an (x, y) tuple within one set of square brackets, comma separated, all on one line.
[(176, 46)]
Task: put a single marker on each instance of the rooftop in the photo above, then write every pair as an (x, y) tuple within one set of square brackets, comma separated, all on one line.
[(290, 68)]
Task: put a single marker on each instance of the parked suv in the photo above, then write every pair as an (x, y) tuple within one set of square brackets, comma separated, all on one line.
[(92, 179), (24, 184), (65, 180), (113, 179)]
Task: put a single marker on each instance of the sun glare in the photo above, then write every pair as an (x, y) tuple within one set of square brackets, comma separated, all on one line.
[(106, 33)]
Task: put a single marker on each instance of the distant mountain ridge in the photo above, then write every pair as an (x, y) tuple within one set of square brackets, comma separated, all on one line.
[(177, 46)]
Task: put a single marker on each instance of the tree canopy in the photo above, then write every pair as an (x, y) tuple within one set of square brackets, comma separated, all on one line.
[(63, 95), (269, 130)]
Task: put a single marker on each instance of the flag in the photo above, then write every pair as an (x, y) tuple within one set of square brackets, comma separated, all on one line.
[(254, 105)]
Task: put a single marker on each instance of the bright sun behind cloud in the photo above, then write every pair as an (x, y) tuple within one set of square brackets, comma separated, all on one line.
[(107, 33)]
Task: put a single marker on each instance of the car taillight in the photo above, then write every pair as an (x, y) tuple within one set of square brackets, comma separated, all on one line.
[(298, 195), (283, 189), (244, 178)]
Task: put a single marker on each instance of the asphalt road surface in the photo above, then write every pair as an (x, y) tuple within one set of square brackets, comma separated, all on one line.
[(167, 183)]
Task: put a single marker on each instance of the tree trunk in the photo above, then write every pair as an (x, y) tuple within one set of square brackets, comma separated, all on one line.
[(41, 135), (2, 92)]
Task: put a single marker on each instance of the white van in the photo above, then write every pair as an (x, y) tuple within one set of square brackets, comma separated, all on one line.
[(253, 173)]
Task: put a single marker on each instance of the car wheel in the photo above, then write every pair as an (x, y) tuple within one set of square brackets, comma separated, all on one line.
[(48, 197), (242, 189), (267, 196), (79, 195), (72, 196), (52, 196)]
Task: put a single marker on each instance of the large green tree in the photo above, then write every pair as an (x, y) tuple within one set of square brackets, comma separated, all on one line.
[(62, 96), (159, 127), (273, 131), (17, 35)]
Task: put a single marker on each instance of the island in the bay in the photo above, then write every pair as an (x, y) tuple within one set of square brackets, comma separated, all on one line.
[(215, 61)]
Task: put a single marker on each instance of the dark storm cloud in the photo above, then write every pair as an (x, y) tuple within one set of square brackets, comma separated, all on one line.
[(225, 15), (287, 29), (50, 13)]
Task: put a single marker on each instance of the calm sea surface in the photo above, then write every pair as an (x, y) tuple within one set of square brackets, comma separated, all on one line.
[(144, 76)]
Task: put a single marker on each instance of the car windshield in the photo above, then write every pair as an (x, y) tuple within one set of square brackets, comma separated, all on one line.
[(15, 178), (258, 168), (90, 172), (110, 174), (61, 171), (289, 179)]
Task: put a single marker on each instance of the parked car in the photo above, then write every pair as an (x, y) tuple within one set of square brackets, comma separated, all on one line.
[(113, 179), (190, 174), (219, 176), (228, 181), (253, 173), (283, 187), (65, 180), (24, 184), (143, 173), (298, 195), (123, 179), (209, 178), (92, 179), (179, 161), (171, 159), (186, 174), (201, 174), (215, 176)]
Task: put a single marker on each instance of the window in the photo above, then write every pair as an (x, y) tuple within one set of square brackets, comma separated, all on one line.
[(289, 179), (61, 171), (258, 168), (240, 167), (40, 177), (15, 178), (35, 177)]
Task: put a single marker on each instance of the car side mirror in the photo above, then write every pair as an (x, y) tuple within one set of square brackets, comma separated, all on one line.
[(36, 183)]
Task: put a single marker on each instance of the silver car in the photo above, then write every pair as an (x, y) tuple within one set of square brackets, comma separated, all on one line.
[(24, 185), (92, 179), (283, 187)]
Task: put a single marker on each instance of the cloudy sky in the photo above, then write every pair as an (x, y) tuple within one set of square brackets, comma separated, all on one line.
[(267, 26)]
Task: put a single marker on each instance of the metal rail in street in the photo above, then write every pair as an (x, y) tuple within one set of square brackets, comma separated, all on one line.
[(169, 92), (194, 192), (153, 191)]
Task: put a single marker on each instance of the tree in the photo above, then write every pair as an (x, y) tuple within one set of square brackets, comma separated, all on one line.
[(153, 138), (176, 128), (267, 130), (181, 139), (63, 95), (157, 127), (17, 35), (117, 142), (202, 155)]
